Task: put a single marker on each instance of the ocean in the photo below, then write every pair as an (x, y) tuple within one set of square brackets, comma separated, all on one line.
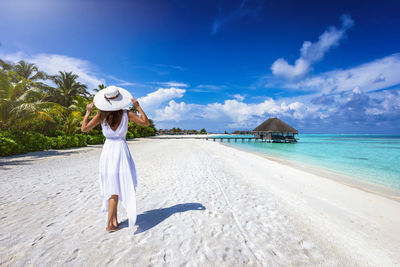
[(374, 159)]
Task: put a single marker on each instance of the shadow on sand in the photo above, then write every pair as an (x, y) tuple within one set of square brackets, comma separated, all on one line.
[(151, 218), (22, 159), (29, 158)]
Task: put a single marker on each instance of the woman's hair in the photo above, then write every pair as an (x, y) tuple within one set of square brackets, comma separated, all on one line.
[(111, 117)]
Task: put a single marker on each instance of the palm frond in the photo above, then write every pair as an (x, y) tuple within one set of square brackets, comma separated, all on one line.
[(5, 86), (17, 90), (40, 75), (30, 95), (45, 115), (5, 65)]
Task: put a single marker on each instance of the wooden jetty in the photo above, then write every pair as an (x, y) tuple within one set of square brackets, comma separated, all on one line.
[(235, 138)]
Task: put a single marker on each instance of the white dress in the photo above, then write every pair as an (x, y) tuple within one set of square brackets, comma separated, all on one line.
[(117, 169)]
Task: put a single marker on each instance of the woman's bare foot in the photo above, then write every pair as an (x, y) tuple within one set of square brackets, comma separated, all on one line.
[(112, 228), (115, 222)]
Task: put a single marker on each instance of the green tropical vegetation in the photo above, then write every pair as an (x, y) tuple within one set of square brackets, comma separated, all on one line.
[(40, 111)]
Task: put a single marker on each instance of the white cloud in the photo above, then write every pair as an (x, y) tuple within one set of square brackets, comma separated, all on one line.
[(371, 76), (122, 82), (299, 110), (240, 111), (231, 112), (207, 88), (53, 63), (242, 114), (353, 107), (127, 84), (171, 66), (312, 52), (154, 99), (282, 68), (238, 97), (171, 84), (173, 112), (389, 104)]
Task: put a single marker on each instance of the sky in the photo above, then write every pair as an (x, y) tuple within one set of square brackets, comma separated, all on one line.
[(321, 66)]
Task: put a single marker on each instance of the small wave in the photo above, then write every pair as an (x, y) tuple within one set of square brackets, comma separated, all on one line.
[(357, 158)]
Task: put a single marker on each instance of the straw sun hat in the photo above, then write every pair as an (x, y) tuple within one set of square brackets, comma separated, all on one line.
[(112, 98)]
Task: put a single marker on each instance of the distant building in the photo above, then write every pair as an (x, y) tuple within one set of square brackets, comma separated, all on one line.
[(175, 131), (242, 132), (276, 131)]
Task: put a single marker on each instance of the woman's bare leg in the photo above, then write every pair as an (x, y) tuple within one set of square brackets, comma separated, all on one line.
[(115, 219), (112, 213)]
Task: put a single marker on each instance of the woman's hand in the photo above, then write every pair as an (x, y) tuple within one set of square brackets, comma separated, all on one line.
[(135, 102), (89, 107), (142, 120)]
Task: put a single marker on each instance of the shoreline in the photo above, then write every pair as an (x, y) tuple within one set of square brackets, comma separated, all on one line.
[(344, 179)]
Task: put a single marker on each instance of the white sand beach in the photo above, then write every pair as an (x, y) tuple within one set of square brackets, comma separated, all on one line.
[(200, 203)]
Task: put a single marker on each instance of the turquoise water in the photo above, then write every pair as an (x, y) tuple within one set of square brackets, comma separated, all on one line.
[(370, 158)]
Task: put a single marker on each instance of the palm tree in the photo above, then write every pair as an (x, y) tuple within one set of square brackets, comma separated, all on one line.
[(151, 125), (67, 89), (5, 65), (75, 114), (79, 104), (28, 71), (72, 122), (99, 87), (18, 106)]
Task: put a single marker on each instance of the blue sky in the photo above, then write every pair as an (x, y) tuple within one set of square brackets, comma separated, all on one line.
[(321, 66)]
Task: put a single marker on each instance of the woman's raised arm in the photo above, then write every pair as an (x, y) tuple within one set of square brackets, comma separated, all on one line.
[(142, 120), (87, 126)]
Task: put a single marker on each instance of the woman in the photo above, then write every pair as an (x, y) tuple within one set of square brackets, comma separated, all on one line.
[(117, 170)]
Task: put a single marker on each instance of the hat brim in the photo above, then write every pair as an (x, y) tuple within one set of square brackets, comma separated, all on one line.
[(121, 102)]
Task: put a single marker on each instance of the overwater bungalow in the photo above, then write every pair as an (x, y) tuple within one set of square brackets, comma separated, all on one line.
[(276, 131)]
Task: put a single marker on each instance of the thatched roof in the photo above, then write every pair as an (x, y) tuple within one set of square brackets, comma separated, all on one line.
[(275, 125)]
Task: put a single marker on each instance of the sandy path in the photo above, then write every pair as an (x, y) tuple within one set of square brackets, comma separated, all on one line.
[(199, 204)]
